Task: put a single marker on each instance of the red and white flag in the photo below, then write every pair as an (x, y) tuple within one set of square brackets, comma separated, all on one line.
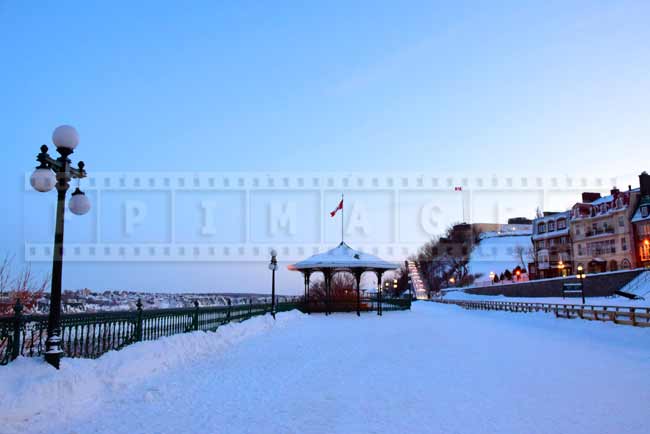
[(338, 207)]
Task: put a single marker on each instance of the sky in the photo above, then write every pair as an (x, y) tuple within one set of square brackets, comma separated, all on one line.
[(416, 87)]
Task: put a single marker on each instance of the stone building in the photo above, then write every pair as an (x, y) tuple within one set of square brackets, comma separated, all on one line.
[(641, 223), (552, 250), (602, 232)]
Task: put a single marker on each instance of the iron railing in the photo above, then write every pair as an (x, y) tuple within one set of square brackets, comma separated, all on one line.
[(627, 315), (89, 335)]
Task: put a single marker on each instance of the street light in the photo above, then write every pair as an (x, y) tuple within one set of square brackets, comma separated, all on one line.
[(452, 280), (492, 276), (57, 173), (273, 265), (581, 277), (560, 266)]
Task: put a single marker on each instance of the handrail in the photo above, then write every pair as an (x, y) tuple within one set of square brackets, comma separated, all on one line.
[(626, 315), (89, 335)]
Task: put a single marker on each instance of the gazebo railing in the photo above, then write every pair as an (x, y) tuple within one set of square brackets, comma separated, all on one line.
[(367, 304)]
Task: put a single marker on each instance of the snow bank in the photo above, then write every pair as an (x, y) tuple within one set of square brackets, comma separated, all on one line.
[(29, 387)]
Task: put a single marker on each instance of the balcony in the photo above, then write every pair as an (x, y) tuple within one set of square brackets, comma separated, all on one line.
[(594, 233)]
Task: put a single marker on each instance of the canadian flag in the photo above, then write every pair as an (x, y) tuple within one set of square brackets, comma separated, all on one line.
[(338, 207)]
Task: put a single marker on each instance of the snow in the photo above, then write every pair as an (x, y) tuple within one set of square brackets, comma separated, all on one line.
[(435, 369), (344, 256), (497, 254)]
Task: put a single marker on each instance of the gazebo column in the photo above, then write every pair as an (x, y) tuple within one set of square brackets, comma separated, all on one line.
[(327, 275), (357, 277), (379, 291), (307, 276)]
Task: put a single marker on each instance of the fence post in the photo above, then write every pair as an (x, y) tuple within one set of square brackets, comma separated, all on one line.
[(18, 319), (229, 310), (250, 307), (138, 325), (195, 319), (633, 316)]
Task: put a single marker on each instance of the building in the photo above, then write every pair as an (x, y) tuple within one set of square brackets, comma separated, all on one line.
[(552, 251), (602, 232), (641, 222)]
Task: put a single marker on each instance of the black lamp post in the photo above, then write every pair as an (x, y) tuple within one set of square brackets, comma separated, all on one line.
[(57, 173), (273, 265)]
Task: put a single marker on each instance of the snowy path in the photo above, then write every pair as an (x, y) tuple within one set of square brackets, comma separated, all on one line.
[(471, 372)]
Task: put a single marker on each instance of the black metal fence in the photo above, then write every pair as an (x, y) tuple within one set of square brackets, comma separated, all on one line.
[(89, 335)]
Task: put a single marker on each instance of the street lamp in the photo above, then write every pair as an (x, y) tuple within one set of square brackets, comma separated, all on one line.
[(560, 266), (492, 276), (581, 277), (57, 173), (452, 280), (273, 265)]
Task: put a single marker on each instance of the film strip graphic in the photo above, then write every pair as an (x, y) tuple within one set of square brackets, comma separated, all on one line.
[(239, 217)]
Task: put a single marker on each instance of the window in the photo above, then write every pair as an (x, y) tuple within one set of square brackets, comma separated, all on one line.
[(541, 228), (624, 244), (644, 229), (551, 226), (581, 251), (561, 224), (621, 221), (645, 210), (578, 229), (645, 250)]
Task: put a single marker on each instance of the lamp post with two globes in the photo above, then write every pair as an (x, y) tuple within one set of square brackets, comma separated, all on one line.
[(50, 173)]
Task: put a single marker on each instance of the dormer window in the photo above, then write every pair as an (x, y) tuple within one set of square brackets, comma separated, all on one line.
[(541, 228), (645, 211), (561, 224), (551, 226)]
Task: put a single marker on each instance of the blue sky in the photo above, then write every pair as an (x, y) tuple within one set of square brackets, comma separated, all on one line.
[(463, 87)]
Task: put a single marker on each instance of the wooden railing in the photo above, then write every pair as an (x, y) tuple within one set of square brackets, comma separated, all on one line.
[(627, 315)]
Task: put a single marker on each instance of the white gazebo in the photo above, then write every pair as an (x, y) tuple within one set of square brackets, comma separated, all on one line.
[(342, 258)]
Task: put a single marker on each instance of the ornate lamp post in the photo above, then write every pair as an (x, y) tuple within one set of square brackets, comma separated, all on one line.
[(57, 173), (273, 265), (492, 277)]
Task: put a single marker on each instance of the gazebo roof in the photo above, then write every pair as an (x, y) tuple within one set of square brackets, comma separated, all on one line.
[(343, 257)]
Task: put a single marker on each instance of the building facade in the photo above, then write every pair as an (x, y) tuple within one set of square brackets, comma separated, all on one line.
[(602, 232), (552, 252), (641, 222)]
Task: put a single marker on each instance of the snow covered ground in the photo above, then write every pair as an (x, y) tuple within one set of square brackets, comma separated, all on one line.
[(435, 369)]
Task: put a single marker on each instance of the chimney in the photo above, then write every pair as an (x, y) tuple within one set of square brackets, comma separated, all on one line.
[(614, 191), (588, 197), (644, 182)]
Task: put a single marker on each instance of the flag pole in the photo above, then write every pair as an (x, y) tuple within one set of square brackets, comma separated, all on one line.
[(342, 216)]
